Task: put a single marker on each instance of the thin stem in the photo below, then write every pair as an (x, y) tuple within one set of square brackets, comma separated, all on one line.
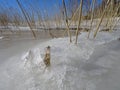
[(66, 17), (26, 17), (93, 5), (80, 15), (95, 34)]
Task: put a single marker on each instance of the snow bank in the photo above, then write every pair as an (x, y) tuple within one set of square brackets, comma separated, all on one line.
[(29, 73)]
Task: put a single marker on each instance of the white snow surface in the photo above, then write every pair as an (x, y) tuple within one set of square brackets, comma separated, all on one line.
[(1, 37), (89, 65)]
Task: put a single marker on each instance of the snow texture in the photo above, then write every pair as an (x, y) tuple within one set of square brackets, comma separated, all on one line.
[(73, 67), (1, 37)]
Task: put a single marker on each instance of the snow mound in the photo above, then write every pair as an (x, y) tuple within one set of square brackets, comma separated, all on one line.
[(33, 59)]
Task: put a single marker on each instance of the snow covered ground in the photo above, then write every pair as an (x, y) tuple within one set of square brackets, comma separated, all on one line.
[(9, 48), (93, 64), (1, 37)]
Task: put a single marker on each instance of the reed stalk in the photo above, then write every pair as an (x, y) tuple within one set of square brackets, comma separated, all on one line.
[(72, 19), (66, 20), (101, 19), (79, 21), (92, 17), (113, 18), (26, 17), (115, 24)]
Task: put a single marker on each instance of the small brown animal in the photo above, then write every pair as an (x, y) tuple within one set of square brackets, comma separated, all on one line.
[(47, 57)]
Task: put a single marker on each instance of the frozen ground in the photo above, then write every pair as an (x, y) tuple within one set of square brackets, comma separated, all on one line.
[(91, 65)]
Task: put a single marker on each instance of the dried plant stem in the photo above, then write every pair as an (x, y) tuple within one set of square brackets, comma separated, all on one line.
[(71, 19), (113, 18), (115, 24), (93, 5), (68, 30), (26, 18), (110, 16), (95, 34), (80, 16), (99, 24), (74, 15)]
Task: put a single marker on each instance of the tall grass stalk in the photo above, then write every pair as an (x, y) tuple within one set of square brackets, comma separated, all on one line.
[(113, 22), (80, 16), (66, 20), (74, 14), (101, 19), (26, 17), (108, 16), (92, 17), (118, 21)]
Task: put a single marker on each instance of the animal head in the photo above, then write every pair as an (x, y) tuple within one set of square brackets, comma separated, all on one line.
[(48, 49)]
